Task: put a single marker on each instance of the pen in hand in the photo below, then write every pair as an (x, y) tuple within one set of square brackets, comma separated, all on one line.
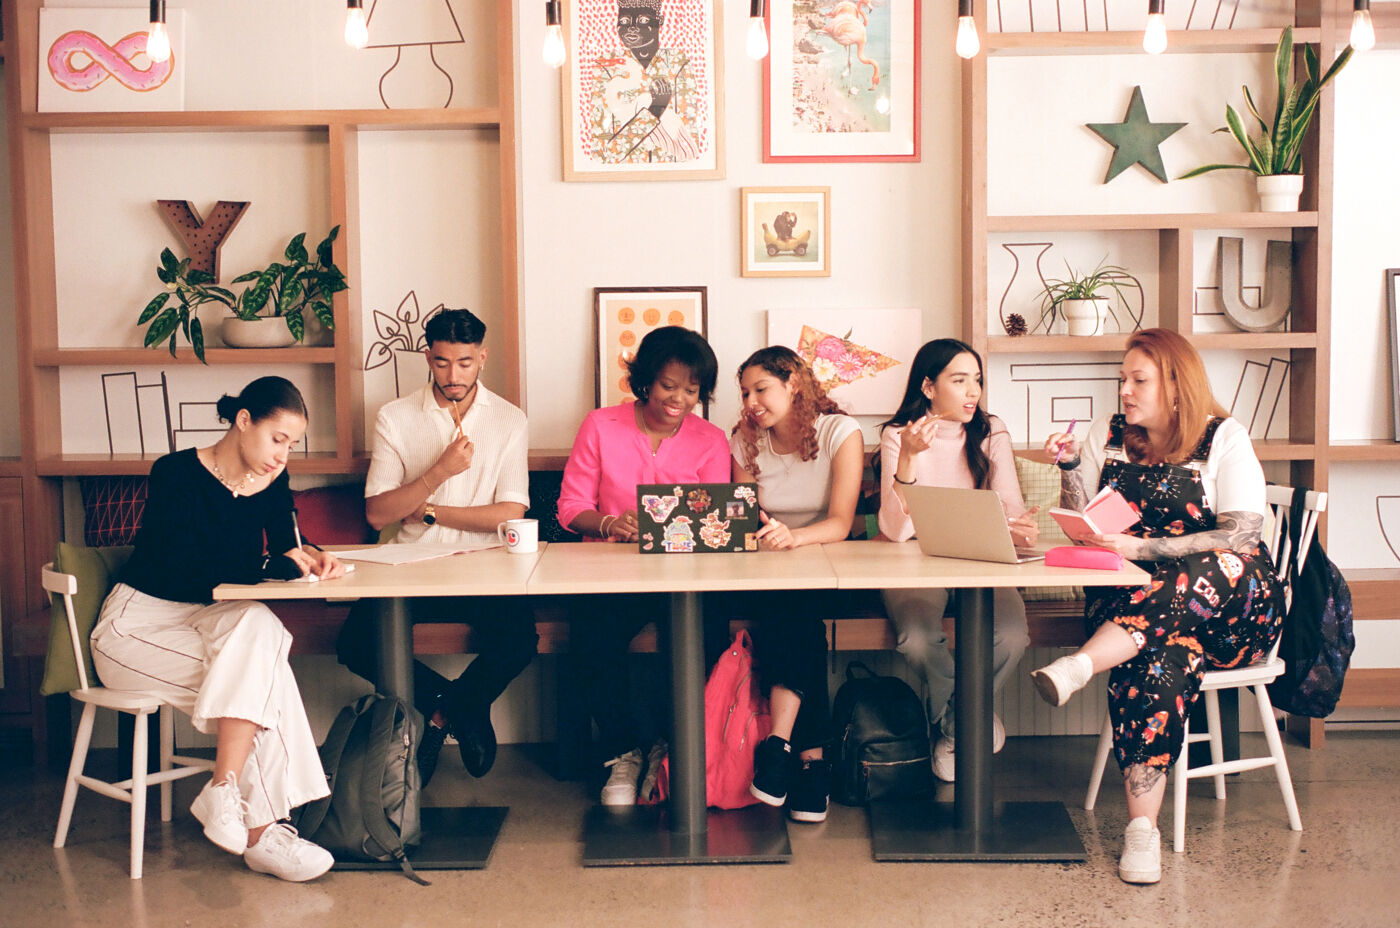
[(1068, 431)]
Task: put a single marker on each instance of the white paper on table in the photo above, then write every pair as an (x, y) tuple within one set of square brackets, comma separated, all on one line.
[(316, 578), (407, 553)]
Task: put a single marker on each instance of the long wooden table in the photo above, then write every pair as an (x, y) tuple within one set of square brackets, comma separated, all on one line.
[(974, 826), (684, 831), (454, 837)]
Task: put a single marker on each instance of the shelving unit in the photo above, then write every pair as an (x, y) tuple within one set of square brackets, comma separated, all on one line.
[(1306, 451), (336, 138)]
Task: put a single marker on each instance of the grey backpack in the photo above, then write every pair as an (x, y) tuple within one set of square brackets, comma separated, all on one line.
[(370, 759)]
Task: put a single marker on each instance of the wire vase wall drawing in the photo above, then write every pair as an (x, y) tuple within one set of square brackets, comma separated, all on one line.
[(1025, 292)]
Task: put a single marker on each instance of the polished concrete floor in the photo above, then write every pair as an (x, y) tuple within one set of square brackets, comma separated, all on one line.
[(1242, 865)]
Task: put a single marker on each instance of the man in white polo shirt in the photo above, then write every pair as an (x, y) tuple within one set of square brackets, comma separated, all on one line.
[(449, 464)]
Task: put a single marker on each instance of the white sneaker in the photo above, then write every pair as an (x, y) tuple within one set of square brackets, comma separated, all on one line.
[(220, 808), (1060, 679), (286, 855), (655, 756), (621, 788), (1142, 853), (943, 750)]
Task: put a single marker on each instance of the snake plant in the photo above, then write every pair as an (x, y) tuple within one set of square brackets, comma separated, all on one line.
[(1279, 150)]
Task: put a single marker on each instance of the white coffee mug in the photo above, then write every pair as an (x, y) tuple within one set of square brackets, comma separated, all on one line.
[(520, 536)]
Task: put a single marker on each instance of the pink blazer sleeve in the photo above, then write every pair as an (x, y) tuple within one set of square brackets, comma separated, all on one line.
[(578, 491), (894, 520)]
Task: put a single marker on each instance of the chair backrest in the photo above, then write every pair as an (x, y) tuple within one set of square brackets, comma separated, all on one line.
[(1279, 538), (65, 586)]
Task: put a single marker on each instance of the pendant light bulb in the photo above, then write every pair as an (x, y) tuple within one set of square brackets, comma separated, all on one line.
[(1363, 34), (967, 45), (356, 27), (157, 38), (554, 51), (756, 42), (1154, 37)]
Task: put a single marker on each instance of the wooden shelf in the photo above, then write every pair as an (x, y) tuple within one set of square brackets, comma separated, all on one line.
[(1179, 41), (1150, 222), (1281, 449), (121, 465), (11, 467), (1244, 341), (1096, 344), (102, 357), (1373, 449), (460, 118), (1375, 592)]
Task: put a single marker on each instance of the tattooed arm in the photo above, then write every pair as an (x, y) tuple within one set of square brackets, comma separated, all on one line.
[(1072, 493), (1234, 531)]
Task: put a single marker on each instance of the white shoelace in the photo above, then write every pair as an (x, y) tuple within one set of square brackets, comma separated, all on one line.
[(625, 765), (232, 808), (1138, 840), (280, 839)]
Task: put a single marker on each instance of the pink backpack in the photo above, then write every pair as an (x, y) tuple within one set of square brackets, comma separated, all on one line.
[(736, 720)]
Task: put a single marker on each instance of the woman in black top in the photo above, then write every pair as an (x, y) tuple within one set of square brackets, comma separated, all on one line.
[(225, 664)]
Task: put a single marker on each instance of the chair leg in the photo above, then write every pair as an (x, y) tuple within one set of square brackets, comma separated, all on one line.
[(1217, 747), (139, 760), (75, 767), (1285, 780), (1179, 780), (167, 754), (1100, 763)]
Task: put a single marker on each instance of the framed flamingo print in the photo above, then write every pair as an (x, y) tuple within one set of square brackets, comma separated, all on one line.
[(841, 82)]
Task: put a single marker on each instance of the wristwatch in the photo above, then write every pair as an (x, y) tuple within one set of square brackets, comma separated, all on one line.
[(429, 514)]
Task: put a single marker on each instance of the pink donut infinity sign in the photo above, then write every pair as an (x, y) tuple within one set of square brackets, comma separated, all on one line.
[(104, 61)]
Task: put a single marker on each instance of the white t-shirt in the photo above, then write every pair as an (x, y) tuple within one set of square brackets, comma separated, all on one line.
[(1231, 476), (410, 434), (791, 490)]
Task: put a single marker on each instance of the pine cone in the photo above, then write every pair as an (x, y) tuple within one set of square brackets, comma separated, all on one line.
[(1015, 324)]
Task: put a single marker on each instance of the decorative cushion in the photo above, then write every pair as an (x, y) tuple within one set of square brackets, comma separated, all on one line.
[(333, 515), (1040, 486), (112, 509), (96, 570)]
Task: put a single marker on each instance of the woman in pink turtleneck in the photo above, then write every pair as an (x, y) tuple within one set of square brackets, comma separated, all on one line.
[(941, 436)]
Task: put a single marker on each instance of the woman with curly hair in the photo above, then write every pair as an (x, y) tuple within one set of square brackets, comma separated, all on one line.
[(805, 456)]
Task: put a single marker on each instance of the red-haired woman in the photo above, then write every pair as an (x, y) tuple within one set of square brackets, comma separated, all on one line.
[(1214, 600), (806, 457)]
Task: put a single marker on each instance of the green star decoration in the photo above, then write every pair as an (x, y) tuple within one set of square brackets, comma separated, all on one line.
[(1135, 139)]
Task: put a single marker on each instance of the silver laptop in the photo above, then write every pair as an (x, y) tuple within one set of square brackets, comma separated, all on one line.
[(964, 523)]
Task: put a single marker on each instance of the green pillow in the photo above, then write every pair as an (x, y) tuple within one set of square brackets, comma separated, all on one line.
[(96, 570), (1040, 486)]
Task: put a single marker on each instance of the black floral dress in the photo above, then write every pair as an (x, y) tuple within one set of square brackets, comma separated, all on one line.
[(1208, 610)]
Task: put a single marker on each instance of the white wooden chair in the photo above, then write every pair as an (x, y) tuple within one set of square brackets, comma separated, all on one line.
[(133, 791), (1255, 678)]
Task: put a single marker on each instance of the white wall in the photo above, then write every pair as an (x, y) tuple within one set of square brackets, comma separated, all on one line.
[(895, 230)]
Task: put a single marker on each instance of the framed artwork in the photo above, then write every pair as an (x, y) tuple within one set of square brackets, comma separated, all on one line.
[(861, 356), (643, 90), (841, 82), (785, 231), (94, 60), (1392, 284), (625, 315)]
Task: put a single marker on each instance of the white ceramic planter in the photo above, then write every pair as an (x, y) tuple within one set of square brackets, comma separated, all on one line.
[(1278, 193), (271, 332), (1084, 317)]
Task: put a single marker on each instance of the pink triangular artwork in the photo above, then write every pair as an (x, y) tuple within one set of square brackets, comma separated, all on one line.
[(837, 361)]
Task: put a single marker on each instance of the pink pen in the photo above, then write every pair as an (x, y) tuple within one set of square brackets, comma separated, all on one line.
[(1070, 430)]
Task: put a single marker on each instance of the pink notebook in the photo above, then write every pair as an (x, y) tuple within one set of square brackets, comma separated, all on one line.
[(1108, 513)]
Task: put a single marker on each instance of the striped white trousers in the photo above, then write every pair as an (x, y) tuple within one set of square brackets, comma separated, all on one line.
[(224, 660)]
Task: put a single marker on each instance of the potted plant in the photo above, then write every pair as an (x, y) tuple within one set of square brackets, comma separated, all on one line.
[(286, 290), (1276, 154), (191, 289), (1082, 299)]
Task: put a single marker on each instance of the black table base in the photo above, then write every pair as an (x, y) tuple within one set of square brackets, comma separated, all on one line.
[(1017, 831), (622, 836), (454, 838)]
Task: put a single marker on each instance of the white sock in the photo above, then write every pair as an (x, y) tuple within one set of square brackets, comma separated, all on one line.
[(1084, 665)]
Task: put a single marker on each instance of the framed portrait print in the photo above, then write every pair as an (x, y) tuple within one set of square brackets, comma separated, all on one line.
[(643, 90), (841, 82), (785, 232), (625, 315)]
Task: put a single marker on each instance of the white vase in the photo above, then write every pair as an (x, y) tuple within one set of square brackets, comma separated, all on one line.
[(1278, 193), (1084, 317), (270, 332)]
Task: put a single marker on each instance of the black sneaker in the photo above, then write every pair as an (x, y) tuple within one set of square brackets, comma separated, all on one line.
[(772, 770), (429, 747), (811, 792)]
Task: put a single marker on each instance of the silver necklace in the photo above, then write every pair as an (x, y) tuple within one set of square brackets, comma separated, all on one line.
[(234, 487)]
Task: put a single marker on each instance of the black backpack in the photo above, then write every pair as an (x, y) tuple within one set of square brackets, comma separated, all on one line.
[(1317, 632), (371, 761), (882, 747)]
